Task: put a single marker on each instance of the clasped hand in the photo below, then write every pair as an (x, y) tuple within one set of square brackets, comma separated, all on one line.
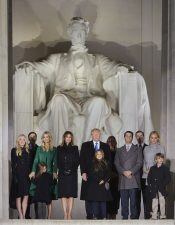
[(127, 173)]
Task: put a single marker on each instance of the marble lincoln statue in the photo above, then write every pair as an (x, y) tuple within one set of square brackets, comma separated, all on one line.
[(78, 91)]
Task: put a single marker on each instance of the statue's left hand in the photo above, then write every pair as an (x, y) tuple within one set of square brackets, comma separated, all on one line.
[(124, 68)]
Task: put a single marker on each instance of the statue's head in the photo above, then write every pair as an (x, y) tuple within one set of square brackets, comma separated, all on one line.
[(78, 30)]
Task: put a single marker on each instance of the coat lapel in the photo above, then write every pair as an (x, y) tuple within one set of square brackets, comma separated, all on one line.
[(128, 154)]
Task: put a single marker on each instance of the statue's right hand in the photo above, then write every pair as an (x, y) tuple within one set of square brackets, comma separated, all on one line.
[(27, 66), (84, 176), (23, 65), (32, 175)]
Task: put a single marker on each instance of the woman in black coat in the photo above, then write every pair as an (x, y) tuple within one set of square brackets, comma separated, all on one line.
[(98, 185), (20, 164), (67, 163), (113, 206)]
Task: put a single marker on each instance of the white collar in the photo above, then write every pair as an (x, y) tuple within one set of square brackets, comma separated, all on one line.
[(128, 145), (96, 142)]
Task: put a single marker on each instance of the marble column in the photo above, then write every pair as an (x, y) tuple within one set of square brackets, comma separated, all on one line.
[(168, 80), (168, 96), (4, 175)]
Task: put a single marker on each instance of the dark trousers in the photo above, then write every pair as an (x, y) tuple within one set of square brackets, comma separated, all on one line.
[(99, 210), (28, 210), (142, 193), (148, 203), (146, 200), (89, 211), (126, 196)]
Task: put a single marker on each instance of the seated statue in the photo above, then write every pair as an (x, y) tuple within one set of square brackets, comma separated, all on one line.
[(79, 91)]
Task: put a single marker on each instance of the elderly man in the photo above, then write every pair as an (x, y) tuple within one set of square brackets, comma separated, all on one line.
[(86, 156)]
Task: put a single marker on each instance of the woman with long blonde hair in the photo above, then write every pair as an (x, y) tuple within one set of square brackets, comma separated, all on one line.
[(45, 153), (20, 164)]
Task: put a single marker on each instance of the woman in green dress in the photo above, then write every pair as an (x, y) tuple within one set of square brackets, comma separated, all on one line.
[(45, 153)]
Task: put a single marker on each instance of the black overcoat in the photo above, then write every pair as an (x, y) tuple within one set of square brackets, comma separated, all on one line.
[(20, 183), (67, 163), (96, 191), (86, 157), (158, 178)]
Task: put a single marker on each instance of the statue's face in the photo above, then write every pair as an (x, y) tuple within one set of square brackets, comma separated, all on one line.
[(78, 34)]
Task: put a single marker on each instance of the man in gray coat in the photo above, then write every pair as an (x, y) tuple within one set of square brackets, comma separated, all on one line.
[(128, 161)]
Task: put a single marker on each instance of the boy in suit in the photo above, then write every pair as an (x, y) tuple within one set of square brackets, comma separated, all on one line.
[(158, 178), (128, 161)]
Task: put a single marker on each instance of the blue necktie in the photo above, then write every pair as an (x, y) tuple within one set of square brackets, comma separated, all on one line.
[(96, 146)]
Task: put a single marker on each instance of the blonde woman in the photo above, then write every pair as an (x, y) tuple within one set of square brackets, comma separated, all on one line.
[(45, 153), (20, 164)]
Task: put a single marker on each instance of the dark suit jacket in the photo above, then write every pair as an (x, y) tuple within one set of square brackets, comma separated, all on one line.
[(142, 148), (131, 160), (86, 155)]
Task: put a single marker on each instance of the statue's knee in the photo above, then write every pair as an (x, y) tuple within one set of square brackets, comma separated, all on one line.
[(99, 101), (59, 100)]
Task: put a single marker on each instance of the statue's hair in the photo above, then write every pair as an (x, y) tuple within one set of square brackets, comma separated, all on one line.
[(79, 20), (18, 147)]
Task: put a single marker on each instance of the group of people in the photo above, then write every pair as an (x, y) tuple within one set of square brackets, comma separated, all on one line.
[(45, 173)]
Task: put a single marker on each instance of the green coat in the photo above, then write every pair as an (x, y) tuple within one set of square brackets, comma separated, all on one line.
[(50, 158)]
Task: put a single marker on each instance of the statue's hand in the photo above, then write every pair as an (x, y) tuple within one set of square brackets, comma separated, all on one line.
[(124, 68), (28, 67), (23, 65)]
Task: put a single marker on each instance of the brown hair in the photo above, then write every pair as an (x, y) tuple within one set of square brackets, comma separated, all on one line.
[(41, 165), (159, 155), (99, 164), (112, 141), (65, 135)]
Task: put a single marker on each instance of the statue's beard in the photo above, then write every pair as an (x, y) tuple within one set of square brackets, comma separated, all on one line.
[(78, 48)]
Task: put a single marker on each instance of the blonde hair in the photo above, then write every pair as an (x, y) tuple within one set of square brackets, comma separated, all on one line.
[(50, 141), (95, 130), (156, 133), (18, 147)]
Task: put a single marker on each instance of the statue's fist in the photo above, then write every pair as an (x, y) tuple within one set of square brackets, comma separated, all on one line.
[(124, 68)]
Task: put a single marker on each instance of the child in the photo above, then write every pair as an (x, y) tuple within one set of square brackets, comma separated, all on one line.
[(98, 187), (44, 183), (158, 178)]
